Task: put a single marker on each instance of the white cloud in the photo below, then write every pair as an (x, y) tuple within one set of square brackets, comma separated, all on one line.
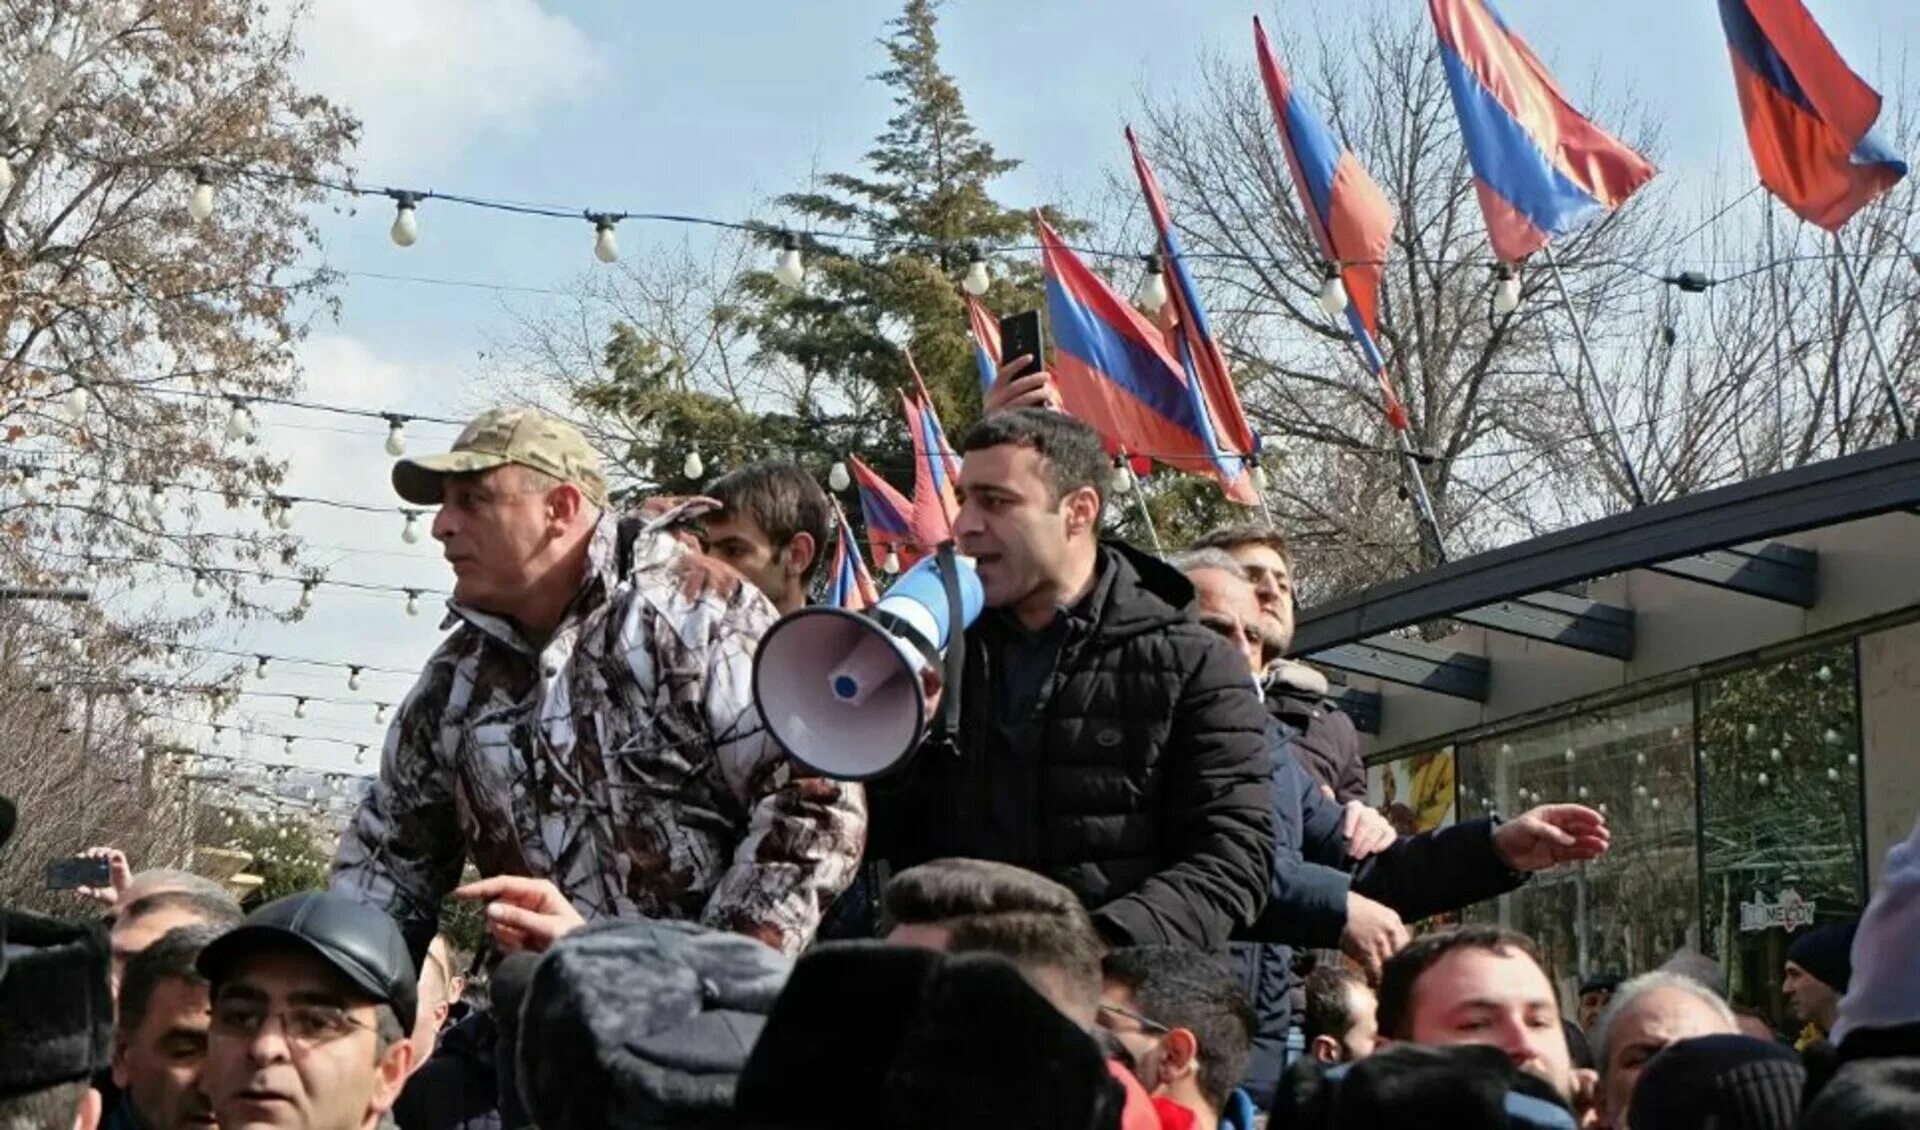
[(430, 77)]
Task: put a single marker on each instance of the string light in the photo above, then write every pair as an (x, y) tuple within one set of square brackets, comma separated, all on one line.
[(1763, 779), (300, 707), (305, 603), (1832, 773), (413, 602), (1773, 755), (360, 755), (694, 466), (1123, 478), (260, 669), (239, 421), (1333, 291), (410, 532), (28, 484), (396, 436), (892, 564), (1152, 292), (605, 247), (75, 404), (837, 478), (406, 228), (157, 502), (1506, 290), (287, 745), (976, 280), (1569, 756), (1831, 737), (200, 200), (791, 271), (199, 583), (353, 678), (379, 713)]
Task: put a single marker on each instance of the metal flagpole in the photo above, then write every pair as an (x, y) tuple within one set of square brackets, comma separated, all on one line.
[(1600, 394), (1140, 500), (1873, 341), (1422, 501)]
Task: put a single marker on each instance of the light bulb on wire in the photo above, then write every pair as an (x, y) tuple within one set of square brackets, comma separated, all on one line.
[(200, 200), (75, 404), (406, 227), (1123, 482), (353, 678), (28, 484), (396, 436), (379, 713), (891, 565), (791, 270), (239, 421), (300, 707), (1151, 294), (1333, 291), (199, 584), (694, 467), (410, 532), (305, 603), (976, 280), (287, 746), (283, 515), (837, 477), (359, 755), (157, 502), (413, 602), (1506, 290), (260, 669), (605, 247)]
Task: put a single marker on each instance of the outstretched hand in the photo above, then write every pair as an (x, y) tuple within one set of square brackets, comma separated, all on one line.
[(523, 914), (119, 874), (1551, 834)]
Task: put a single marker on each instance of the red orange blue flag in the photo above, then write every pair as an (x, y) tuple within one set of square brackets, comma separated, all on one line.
[(1809, 117), (851, 586), (986, 343), (1540, 168), (1349, 216), (936, 470), (1227, 433), (889, 517), (1115, 372)]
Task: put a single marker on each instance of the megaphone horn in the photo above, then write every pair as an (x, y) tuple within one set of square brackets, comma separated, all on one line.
[(842, 692)]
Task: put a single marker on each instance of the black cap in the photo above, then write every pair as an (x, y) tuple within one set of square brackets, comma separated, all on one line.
[(1730, 1081), (1601, 983), (56, 1009), (360, 942)]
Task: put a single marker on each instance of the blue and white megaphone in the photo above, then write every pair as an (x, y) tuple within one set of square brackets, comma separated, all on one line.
[(844, 693)]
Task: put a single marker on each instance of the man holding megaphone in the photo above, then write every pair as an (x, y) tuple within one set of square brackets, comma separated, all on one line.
[(1103, 737)]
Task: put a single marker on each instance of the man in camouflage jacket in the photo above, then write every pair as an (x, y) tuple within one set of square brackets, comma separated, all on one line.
[(590, 720)]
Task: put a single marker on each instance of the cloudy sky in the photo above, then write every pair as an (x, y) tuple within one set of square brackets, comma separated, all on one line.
[(709, 109)]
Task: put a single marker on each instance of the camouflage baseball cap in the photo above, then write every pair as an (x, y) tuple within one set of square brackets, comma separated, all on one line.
[(524, 436)]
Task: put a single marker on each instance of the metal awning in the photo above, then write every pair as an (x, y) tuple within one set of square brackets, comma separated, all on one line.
[(1548, 591)]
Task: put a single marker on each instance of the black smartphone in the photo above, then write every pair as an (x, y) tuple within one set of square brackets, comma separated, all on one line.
[(79, 871), (1020, 335)]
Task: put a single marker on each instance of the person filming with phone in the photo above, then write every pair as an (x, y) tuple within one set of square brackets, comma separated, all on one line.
[(586, 733), (1105, 739)]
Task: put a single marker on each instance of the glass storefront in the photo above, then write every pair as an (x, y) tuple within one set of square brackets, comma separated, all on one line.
[(1780, 805), (1729, 844)]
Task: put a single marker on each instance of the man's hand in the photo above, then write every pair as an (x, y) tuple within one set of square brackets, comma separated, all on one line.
[(1367, 832), (1373, 933), (1551, 834), (523, 914), (1586, 1098), (1035, 390), (118, 876), (700, 575), (678, 516)]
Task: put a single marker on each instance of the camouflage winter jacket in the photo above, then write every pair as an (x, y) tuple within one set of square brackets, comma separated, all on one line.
[(624, 760)]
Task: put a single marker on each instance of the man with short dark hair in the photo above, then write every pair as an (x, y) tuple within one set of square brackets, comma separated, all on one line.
[(1183, 1018), (145, 920), (160, 1038), (1106, 739), (1339, 1024), (589, 722), (975, 906), (1595, 992), (1328, 744), (1480, 985), (313, 996), (1819, 963), (772, 526)]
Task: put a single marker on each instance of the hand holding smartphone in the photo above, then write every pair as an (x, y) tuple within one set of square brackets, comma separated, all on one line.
[(1028, 385), (78, 871)]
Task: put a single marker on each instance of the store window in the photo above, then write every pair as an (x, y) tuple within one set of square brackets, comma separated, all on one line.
[(1781, 808), (1629, 911)]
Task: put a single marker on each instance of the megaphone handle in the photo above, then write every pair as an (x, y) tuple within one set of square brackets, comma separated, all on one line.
[(956, 657)]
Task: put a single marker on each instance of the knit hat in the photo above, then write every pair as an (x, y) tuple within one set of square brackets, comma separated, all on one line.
[(1732, 1082), (642, 1023), (1826, 953), (870, 1035), (1885, 990), (56, 1008), (1417, 1087), (1881, 1094)]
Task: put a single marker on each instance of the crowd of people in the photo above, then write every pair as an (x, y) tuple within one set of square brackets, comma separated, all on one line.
[(1135, 885)]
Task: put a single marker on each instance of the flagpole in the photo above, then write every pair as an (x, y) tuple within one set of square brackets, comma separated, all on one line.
[(1140, 500), (1422, 501), (1600, 393), (1873, 341)]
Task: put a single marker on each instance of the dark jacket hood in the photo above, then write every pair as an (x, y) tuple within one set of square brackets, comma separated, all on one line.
[(1137, 593)]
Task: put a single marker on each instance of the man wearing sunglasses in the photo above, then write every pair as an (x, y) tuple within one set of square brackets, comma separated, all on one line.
[(313, 997)]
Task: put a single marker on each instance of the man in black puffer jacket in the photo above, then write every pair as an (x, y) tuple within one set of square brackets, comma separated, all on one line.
[(1107, 739)]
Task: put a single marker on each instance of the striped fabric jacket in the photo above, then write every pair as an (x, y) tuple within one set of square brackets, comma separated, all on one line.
[(623, 759)]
